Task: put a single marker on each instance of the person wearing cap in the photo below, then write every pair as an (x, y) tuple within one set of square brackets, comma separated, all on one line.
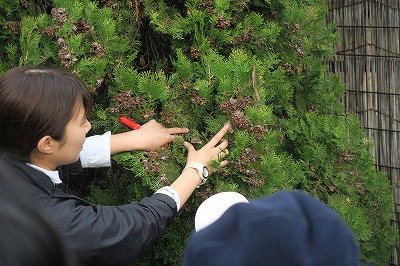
[(286, 228)]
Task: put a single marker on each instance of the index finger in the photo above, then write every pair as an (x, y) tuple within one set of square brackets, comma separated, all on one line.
[(220, 134), (177, 130)]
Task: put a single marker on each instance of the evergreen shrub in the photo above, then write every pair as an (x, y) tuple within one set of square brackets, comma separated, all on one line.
[(197, 64)]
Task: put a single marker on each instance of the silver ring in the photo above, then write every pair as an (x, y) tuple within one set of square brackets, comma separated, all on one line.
[(223, 153)]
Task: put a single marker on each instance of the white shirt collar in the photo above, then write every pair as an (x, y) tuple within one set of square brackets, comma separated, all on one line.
[(53, 175)]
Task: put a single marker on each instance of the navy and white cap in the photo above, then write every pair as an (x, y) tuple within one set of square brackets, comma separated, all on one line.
[(287, 228), (212, 208)]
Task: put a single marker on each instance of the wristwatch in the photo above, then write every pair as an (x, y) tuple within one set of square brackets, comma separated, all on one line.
[(201, 169)]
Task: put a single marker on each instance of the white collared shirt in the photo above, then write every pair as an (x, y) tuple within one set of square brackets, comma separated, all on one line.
[(96, 152), (53, 175)]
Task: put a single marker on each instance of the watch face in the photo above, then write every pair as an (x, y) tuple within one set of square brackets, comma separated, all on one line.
[(205, 171)]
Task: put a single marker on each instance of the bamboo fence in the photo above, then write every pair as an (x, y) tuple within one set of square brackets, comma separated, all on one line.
[(368, 61)]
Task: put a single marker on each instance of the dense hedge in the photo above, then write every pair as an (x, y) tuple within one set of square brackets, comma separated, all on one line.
[(198, 63)]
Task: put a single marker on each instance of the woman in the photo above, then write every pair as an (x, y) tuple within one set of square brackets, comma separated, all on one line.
[(43, 126)]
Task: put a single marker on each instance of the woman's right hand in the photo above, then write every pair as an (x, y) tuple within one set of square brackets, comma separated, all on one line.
[(189, 179), (214, 150)]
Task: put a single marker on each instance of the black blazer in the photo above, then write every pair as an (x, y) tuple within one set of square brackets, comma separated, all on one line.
[(97, 235)]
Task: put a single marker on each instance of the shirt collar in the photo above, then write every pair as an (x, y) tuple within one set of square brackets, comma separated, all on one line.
[(53, 175)]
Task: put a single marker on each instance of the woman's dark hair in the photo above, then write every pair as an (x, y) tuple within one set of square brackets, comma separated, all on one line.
[(35, 102)]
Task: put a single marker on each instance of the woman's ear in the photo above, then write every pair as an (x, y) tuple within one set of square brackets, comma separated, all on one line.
[(46, 145)]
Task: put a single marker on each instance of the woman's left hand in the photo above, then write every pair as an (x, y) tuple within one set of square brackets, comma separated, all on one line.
[(148, 137), (155, 135)]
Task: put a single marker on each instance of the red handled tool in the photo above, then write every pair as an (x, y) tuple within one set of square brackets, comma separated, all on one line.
[(132, 124)]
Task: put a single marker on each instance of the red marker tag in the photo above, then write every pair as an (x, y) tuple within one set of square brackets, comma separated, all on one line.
[(132, 124)]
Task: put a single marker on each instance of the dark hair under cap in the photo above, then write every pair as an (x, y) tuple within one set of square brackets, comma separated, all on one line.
[(287, 228)]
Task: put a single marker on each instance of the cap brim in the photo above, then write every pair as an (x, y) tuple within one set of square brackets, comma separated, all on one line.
[(213, 207)]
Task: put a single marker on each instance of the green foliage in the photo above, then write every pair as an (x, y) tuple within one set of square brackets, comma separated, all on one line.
[(197, 63), (337, 156)]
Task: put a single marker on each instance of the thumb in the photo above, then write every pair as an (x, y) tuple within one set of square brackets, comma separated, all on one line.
[(189, 147)]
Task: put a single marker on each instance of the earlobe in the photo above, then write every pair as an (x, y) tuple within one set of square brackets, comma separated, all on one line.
[(46, 145)]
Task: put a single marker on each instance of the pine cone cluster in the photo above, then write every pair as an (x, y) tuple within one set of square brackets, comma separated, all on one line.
[(236, 109), (258, 131), (166, 118), (234, 104), (99, 83), (149, 115), (204, 193), (51, 31), (81, 26), (24, 3), (290, 70), (294, 27), (222, 23), (197, 99), (194, 53), (240, 120), (297, 48), (247, 157), (245, 37), (66, 58), (256, 182), (15, 27), (60, 15), (208, 6), (97, 50), (164, 180), (150, 163), (346, 157), (124, 100), (153, 162)]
